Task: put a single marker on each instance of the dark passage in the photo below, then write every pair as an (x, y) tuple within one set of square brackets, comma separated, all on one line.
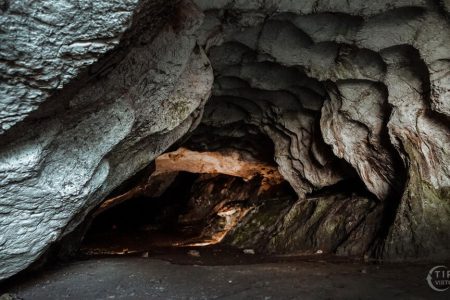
[(142, 222), (194, 210)]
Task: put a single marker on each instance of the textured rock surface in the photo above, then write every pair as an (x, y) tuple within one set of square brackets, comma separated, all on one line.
[(168, 165), (54, 169), (324, 224), (422, 137), (330, 91), (218, 203), (368, 79), (46, 44), (230, 163)]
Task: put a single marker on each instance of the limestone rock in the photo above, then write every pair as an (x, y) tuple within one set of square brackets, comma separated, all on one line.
[(373, 75), (54, 170), (422, 137), (329, 92), (358, 136), (47, 44), (305, 226)]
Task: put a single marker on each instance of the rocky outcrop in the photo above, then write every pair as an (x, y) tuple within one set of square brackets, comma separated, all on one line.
[(58, 165), (329, 92)]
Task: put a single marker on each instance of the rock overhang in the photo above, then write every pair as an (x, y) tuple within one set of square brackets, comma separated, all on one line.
[(345, 91)]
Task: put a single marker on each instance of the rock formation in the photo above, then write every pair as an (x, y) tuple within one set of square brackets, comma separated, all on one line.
[(331, 93), (84, 140), (367, 79)]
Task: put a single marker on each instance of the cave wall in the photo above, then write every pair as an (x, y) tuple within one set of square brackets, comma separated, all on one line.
[(92, 92), (57, 164), (339, 223), (342, 89)]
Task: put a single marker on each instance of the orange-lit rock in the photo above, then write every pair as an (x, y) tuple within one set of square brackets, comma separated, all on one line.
[(229, 163)]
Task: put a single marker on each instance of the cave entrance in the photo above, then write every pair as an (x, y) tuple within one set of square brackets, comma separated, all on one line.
[(188, 199)]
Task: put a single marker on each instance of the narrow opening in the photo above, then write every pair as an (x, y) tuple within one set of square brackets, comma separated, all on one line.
[(192, 199)]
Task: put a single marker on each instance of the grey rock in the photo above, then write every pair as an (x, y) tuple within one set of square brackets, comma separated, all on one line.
[(52, 175), (384, 107), (321, 224), (92, 92), (46, 44)]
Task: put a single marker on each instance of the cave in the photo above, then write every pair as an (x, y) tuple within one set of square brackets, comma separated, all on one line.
[(285, 149), (183, 216), (190, 199)]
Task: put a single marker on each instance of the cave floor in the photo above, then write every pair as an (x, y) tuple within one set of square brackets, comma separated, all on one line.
[(222, 274)]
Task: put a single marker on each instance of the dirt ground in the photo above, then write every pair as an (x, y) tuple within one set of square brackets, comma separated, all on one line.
[(219, 274)]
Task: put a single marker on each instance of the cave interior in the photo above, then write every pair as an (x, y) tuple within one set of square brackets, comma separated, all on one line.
[(291, 154), (270, 128)]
